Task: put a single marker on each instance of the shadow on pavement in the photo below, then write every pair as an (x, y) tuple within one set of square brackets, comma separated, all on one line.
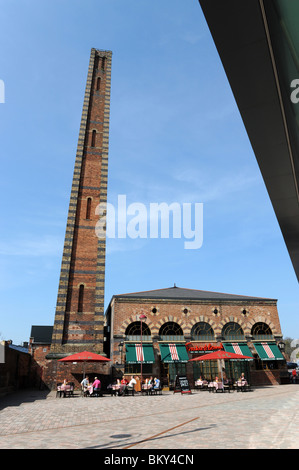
[(19, 397)]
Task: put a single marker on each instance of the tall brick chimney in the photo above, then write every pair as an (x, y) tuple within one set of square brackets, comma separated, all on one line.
[(79, 316)]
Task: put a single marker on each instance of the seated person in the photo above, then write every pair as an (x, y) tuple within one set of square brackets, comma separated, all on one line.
[(96, 385), (85, 383), (132, 382), (63, 385), (123, 385), (150, 382), (242, 378), (156, 383), (202, 380)]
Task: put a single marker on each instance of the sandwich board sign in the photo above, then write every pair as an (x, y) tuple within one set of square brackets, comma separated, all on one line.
[(181, 384)]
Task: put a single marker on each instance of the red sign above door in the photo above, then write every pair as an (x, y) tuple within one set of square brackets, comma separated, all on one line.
[(193, 349)]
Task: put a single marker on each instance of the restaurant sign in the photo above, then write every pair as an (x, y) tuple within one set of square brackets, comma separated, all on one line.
[(193, 349)]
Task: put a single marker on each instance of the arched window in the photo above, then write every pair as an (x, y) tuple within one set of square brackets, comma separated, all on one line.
[(171, 331), (103, 63), (80, 298), (93, 138), (88, 207), (98, 84), (202, 331), (233, 331), (261, 331), (133, 332)]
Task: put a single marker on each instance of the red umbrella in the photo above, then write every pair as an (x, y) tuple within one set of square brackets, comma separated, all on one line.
[(84, 357), (221, 355)]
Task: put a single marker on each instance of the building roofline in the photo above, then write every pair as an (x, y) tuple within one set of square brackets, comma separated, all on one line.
[(181, 294)]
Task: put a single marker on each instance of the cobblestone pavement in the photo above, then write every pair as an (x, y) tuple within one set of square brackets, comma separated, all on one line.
[(265, 418)]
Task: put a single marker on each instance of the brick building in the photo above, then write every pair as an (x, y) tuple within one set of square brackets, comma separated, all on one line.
[(15, 366), (39, 347), (183, 323)]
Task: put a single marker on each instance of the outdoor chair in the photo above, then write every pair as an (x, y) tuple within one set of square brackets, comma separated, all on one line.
[(129, 390), (69, 392), (228, 386), (245, 388), (97, 392), (156, 391), (58, 391)]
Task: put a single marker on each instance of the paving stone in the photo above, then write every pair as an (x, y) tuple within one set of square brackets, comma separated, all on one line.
[(265, 418)]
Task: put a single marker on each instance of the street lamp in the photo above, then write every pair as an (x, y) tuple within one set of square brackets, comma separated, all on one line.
[(120, 350), (281, 346), (141, 317)]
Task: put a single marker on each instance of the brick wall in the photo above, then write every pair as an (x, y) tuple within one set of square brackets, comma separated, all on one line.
[(46, 373), (126, 312)]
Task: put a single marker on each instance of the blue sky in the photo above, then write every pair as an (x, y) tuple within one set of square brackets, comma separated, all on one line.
[(175, 136)]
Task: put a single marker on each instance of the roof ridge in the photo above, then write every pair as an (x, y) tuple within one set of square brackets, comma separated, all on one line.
[(243, 296)]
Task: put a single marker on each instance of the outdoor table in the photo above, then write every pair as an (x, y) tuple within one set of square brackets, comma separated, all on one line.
[(214, 386), (241, 385), (146, 388), (210, 386), (115, 388), (60, 391), (64, 390), (202, 384)]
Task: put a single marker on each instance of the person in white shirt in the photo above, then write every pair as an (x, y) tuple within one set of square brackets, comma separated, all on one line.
[(85, 383), (132, 382)]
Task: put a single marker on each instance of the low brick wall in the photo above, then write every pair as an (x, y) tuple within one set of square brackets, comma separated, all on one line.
[(265, 377)]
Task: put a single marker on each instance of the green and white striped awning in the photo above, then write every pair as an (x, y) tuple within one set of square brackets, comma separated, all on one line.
[(238, 348), (268, 351), (135, 353), (171, 352)]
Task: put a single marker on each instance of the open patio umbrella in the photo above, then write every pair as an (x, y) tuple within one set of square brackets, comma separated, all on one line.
[(84, 357), (226, 355), (221, 355)]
